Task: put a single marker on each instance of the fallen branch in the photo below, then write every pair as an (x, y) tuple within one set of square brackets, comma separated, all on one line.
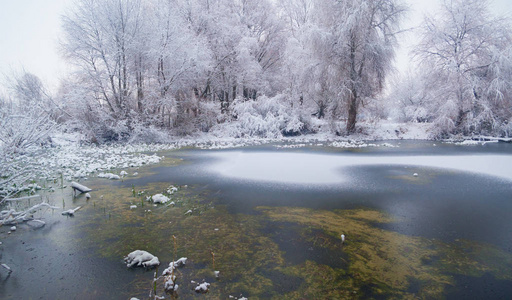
[(70, 212), (23, 198), (78, 187), (13, 217), (7, 267)]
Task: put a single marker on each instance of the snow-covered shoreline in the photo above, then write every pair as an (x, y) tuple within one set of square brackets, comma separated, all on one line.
[(68, 160)]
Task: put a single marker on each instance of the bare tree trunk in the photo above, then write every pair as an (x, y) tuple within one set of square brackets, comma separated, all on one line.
[(352, 112), (139, 80), (161, 77), (352, 101)]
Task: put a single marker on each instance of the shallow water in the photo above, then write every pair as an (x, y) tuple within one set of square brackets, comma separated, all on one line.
[(278, 215)]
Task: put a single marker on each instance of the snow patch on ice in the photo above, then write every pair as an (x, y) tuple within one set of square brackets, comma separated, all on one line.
[(298, 168)]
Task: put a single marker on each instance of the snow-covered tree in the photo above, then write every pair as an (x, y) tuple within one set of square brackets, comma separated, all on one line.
[(100, 38), (345, 49), (28, 116), (467, 52), (363, 45), (169, 63)]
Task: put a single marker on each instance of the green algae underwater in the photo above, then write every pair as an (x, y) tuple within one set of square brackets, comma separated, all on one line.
[(277, 252)]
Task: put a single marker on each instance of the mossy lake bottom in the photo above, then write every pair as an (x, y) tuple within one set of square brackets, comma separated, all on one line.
[(442, 234)]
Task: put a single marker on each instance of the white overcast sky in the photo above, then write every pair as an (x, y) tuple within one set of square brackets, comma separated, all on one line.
[(30, 29)]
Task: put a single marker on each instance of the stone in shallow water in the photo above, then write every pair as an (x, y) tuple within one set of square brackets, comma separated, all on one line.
[(36, 224)]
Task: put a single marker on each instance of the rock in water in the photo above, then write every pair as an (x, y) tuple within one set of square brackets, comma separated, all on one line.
[(36, 224)]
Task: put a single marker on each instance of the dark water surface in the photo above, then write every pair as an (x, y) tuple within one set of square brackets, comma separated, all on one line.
[(465, 218), (441, 204)]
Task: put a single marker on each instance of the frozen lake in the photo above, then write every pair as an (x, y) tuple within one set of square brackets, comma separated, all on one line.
[(329, 169), (274, 217)]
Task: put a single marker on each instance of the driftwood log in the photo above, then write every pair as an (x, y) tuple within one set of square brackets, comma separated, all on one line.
[(78, 187)]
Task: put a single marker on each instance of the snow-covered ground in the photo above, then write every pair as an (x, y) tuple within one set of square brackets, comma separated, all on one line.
[(388, 130), (70, 161)]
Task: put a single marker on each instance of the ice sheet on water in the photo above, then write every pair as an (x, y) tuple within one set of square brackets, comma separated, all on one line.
[(327, 169)]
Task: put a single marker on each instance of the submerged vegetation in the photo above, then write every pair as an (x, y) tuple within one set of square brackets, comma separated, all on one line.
[(287, 252), (264, 252)]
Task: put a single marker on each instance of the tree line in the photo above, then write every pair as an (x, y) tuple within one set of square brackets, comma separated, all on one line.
[(143, 67)]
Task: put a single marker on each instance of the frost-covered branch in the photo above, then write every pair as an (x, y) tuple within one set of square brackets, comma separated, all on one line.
[(11, 217)]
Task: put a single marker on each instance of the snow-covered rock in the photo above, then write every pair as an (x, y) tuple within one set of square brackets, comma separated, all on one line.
[(159, 198), (13, 228), (141, 258), (36, 224), (109, 176), (202, 288)]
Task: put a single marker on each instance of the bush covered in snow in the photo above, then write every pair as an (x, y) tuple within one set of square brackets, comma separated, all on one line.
[(265, 118)]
